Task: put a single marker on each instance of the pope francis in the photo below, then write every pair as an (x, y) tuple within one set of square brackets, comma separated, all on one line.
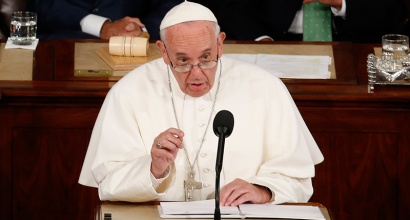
[(153, 140)]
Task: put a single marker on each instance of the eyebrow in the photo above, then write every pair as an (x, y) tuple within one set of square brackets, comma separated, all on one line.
[(184, 54)]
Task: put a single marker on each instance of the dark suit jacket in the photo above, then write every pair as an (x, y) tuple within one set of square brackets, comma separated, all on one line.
[(369, 20), (366, 20), (249, 19), (61, 18)]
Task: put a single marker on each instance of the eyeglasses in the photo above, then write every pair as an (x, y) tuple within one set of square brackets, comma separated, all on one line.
[(188, 67)]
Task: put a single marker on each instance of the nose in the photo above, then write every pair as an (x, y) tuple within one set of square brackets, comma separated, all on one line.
[(196, 70)]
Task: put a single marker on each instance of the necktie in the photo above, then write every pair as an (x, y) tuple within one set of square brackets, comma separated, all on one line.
[(316, 22)]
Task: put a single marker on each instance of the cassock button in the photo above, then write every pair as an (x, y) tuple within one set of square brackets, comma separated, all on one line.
[(95, 10), (203, 155), (206, 185), (206, 170), (201, 108)]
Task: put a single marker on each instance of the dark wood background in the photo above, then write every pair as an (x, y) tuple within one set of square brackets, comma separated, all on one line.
[(45, 126)]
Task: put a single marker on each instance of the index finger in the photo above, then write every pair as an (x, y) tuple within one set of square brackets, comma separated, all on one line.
[(176, 136), (176, 132)]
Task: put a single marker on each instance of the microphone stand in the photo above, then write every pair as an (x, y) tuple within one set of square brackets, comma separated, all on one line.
[(218, 168)]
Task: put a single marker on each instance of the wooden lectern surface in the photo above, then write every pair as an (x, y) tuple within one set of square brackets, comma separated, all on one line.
[(95, 56), (127, 211), (15, 64)]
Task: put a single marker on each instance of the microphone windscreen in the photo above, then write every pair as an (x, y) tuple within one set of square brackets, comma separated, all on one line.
[(223, 122)]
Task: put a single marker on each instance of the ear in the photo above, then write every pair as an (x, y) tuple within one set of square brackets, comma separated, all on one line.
[(221, 39), (161, 47)]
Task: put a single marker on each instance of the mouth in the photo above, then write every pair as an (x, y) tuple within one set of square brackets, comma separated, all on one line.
[(196, 86)]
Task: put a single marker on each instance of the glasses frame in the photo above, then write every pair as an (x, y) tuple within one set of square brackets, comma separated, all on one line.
[(190, 66)]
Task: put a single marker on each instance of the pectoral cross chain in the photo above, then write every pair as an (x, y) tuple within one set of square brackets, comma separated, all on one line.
[(190, 185)]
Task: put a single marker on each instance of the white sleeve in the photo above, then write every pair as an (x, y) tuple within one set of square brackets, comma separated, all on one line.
[(342, 12), (91, 24), (263, 37)]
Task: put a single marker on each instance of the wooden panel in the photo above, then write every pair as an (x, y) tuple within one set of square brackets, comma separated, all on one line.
[(46, 166), (363, 149), (344, 62), (49, 142), (362, 184), (43, 66), (404, 169), (355, 120), (5, 162)]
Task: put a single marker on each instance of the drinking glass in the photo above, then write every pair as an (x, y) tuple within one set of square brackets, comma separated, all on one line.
[(396, 44), (23, 27)]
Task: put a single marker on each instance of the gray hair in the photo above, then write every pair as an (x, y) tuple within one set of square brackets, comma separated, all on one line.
[(217, 29)]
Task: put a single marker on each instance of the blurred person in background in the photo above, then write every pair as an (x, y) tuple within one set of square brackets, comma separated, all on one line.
[(99, 18), (282, 20)]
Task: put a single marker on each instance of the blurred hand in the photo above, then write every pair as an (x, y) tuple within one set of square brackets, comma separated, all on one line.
[(239, 191), (163, 156), (333, 3), (126, 26)]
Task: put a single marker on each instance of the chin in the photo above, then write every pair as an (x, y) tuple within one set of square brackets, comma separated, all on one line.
[(195, 94)]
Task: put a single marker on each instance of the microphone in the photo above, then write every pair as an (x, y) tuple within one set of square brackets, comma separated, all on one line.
[(223, 126)]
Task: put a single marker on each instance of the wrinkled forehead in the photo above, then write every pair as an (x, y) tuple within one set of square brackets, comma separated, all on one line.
[(193, 33)]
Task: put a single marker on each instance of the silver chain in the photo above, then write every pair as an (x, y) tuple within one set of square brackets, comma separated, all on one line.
[(191, 166)]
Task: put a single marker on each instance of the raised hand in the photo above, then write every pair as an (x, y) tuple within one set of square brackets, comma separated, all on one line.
[(164, 151)]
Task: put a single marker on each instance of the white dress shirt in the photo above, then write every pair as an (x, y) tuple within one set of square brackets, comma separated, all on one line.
[(92, 24)]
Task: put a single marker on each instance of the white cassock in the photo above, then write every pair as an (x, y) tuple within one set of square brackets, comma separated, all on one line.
[(270, 144)]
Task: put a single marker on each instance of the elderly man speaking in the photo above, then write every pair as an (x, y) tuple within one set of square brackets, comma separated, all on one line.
[(153, 134)]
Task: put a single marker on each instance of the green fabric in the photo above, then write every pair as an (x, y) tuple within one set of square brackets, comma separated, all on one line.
[(317, 22)]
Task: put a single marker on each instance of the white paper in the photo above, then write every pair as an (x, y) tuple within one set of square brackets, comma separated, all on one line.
[(206, 209), (10, 45), (290, 66), (281, 211), (196, 216), (196, 207)]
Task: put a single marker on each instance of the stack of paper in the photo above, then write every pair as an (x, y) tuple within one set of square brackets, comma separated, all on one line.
[(206, 208), (196, 209), (290, 66)]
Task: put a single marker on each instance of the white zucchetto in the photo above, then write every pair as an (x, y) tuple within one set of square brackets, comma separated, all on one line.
[(187, 11)]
